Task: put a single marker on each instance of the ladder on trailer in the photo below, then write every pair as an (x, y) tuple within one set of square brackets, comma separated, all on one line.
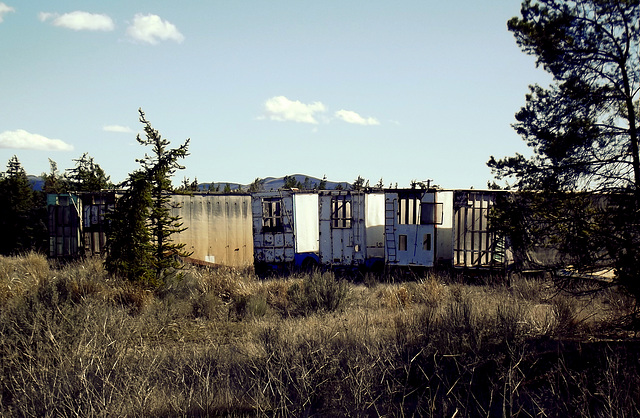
[(389, 230)]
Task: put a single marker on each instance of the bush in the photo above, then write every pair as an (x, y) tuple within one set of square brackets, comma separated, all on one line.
[(318, 292)]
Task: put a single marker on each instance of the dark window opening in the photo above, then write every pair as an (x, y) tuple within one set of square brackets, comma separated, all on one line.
[(431, 214), (341, 212), (426, 242), (272, 215), (402, 243)]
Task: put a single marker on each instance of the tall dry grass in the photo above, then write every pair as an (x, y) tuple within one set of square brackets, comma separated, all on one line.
[(74, 341)]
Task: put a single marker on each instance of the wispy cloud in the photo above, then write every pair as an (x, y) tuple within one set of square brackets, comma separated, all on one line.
[(79, 21), (350, 116), (282, 109), (21, 139), (117, 128), (151, 29), (4, 9)]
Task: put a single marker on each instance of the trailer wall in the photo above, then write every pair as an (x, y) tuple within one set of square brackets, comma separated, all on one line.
[(342, 228), (218, 228)]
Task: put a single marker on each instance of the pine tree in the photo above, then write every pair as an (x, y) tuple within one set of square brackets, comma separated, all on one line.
[(129, 247), (581, 183), (86, 176), (21, 229), (147, 204)]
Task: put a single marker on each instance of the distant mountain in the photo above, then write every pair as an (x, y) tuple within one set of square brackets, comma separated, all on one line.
[(275, 183), (269, 183), (36, 182)]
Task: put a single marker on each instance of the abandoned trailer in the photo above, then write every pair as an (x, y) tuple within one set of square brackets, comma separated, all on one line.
[(290, 229)]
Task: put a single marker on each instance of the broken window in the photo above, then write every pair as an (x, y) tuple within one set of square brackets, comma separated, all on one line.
[(341, 212), (272, 215), (431, 213)]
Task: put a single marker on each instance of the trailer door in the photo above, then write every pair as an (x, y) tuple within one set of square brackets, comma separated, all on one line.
[(416, 215)]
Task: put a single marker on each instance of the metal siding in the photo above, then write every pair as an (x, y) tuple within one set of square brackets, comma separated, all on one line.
[(342, 246), (420, 239), (273, 246), (218, 230)]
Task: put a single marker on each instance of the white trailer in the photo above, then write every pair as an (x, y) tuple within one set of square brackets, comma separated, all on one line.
[(285, 229)]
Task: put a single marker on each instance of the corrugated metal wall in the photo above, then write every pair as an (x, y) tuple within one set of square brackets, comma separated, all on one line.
[(219, 228)]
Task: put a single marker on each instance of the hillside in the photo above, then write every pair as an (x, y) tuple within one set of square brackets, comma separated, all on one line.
[(275, 183)]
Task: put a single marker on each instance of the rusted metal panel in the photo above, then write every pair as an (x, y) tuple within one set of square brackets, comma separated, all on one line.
[(285, 225), (218, 228)]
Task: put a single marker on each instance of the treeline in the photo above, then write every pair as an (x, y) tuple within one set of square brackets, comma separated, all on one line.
[(139, 244), (23, 213)]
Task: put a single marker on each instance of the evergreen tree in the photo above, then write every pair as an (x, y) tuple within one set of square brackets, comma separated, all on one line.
[(86, 176), (358, 184), (22, 229), (53, 181), (323, 183), (256, 186), (584, 172), (290, 182), (129, 249), (151, 223)]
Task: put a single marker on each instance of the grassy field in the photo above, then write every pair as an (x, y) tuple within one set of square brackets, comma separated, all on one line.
[(219, 342)]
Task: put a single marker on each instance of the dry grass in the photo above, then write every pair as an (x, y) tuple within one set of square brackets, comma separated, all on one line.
[(221, 342)]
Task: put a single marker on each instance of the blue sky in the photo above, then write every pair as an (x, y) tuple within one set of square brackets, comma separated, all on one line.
[(408, 90)]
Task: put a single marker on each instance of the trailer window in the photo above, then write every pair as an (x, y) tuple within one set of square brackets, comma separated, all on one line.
[(431, 214), (272, 215), (408, 210), (413, 212), (341, 212)]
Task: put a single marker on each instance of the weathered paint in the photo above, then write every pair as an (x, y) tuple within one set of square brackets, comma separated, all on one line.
[(285, 227), (218, 227), (342, 228), (410, 221)]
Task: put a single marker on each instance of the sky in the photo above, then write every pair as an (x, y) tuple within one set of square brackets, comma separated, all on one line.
[(398, 91)]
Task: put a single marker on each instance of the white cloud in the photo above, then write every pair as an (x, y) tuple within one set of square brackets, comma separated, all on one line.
[(151, 29), (21, 139), (117, 128), (79, 21), (4, 9), (352, 117), (282, 109)]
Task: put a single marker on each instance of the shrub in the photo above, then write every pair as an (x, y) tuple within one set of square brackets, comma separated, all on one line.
[(318, 292)]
